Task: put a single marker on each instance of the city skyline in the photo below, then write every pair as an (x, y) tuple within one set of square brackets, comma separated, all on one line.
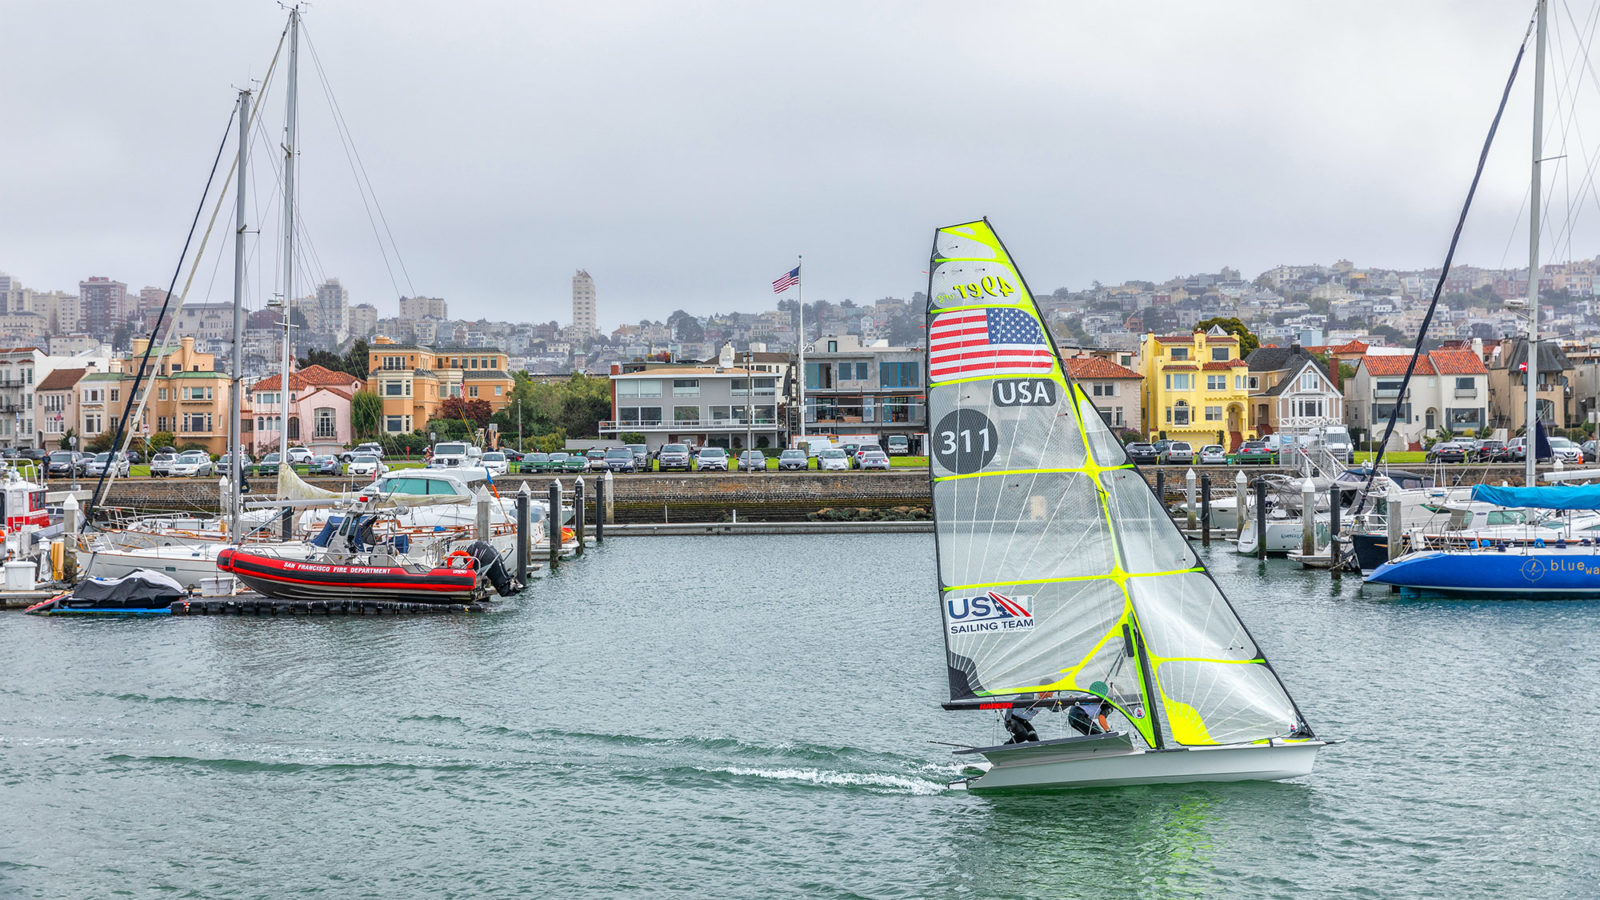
[(1108, 149)]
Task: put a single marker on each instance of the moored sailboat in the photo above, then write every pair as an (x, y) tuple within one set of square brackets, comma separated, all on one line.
[(1061, 579)]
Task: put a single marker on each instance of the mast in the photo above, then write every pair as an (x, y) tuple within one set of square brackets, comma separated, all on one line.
[(1530, 381), (800, 298), (288, 228), (235, 391)]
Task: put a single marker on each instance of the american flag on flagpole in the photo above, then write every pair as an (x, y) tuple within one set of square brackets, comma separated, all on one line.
[(992, 341), (788, 280)]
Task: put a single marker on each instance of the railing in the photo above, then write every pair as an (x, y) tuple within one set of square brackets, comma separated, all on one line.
[(1466, 392), (613, 426)]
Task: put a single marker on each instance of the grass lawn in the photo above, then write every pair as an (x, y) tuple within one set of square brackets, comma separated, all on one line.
[(908, 462), (1396, 456)]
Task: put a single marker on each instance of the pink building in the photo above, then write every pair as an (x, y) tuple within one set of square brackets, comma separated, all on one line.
[(319, 410)]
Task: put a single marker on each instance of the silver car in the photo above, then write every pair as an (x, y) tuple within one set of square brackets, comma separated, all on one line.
[(191, 463), (875, 459)]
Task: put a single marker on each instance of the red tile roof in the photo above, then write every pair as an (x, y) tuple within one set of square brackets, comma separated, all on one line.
[(1080, 367), (61, 379), (1438, 362), (1457, 362), (1215, 366), (1189, 338), (310, 376), (1182, 367), (1352, 347)]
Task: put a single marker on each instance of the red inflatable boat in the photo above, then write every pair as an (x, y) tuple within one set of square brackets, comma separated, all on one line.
[(295, 579)]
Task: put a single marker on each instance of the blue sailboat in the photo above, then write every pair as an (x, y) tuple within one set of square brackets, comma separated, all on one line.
[(1566, 563)]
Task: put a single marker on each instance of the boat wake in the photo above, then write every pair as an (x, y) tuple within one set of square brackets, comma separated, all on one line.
[(873, 782)]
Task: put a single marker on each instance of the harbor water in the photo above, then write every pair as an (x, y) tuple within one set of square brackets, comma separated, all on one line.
[(751, 717)]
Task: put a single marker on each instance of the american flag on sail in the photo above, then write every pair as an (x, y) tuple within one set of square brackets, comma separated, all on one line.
[(992, 341)]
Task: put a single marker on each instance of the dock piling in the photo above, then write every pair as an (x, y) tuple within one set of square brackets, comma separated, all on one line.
[(579, 512), (1189, 493), (1393, 521), (1308, 518), (602, 499), (481, 502), (1205, 510), (524, 531), (1333, 528), (1261, 518), (1241, 504), (555, 523)]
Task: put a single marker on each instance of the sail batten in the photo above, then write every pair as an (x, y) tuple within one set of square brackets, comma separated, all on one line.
[(1060, 574)]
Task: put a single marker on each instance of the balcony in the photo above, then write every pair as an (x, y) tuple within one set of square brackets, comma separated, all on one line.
[(613, 426), (1466, 392)]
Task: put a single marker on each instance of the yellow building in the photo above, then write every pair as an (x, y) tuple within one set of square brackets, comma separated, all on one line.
[(1196, 388), (413, 381)]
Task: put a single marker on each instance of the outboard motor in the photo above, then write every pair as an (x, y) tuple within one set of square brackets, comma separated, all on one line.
[(493, 567)]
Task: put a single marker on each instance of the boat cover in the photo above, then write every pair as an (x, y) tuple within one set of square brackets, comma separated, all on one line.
[(1557, 496), (143, 589)]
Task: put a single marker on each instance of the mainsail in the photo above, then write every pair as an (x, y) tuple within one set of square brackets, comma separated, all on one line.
[(1060, 575)]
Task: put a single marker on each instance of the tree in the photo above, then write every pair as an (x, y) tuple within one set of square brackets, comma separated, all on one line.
[(1248, 342), (366, 414), (353, 362), (101, 442), (66, 439), (474, 410), (159, 440)]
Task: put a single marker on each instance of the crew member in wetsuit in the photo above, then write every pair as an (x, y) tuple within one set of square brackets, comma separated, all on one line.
[(1089, 717), (1019, 723)]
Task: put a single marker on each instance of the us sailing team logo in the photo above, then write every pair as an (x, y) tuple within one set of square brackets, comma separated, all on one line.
[(990, 612)]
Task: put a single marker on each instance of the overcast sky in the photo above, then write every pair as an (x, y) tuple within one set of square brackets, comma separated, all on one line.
[(684, 153)]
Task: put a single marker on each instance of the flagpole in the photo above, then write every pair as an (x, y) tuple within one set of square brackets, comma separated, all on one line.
[(800, 296)]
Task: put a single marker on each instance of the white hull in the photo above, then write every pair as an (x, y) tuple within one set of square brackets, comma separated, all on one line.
[(1119, 763)]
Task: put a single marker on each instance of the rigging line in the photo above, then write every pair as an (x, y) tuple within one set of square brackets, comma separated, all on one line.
[(1588, 66), (157, 339), (339, 113), (194, 225), (346, 142), (1444, 273)]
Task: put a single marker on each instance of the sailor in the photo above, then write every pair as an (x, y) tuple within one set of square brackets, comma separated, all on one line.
[(1089, 717), (1019, 723)]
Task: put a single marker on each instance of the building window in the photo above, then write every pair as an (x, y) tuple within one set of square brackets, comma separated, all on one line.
[(1216, 382), (1238, 382), (1179, 381), (1465, 418), (326, 427), (394, 424), (1103, 389), (1178, 414), (499, 389), (1310, 381), (685, 414), (899, 374), (1180, 353), (472, 391), (161, 393), (1213, 414), (1219, 354), (833, 346), (686, 387), (394, 388), (115, 395)]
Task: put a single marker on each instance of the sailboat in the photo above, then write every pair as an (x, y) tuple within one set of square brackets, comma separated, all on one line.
[(1061, 579)]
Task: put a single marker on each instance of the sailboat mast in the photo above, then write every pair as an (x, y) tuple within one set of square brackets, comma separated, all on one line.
[(1530, 381), (288, 228), (235, 391)]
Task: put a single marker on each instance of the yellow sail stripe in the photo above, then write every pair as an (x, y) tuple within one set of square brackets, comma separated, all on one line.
[(1116, 574)]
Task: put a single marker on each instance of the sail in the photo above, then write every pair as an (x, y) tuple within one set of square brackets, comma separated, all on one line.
[(1059, 572)]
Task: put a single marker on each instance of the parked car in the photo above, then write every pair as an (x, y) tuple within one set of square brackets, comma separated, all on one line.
[(752, 461), (1140, 453), (1212, 455), (299, 456), (495, 463), (575, 462), (898, 445), (1493, 451), (191, 463), (535, 462), (1161, 446), (859, 454), (815, 446), (596, 457), (1588, 448), (102, 461), (1446, 452), (366, 465), (325, 465), (833, 460), (674, 456), (558, 460), (641, 457), (1176, 452), (1517, 449), (267, 466), (873, 458), (1565, 451), (711, 459), (372, 447), (1251, 452), (224, 463), (161, 464), (66, 463), (793, 459), (620, 459)]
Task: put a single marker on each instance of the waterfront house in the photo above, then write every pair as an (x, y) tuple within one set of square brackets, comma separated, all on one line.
[(56, 406), (1508, 393), (697, 405), (1113, 388), (1449, 394), (865, 389), (414, 380), (1291, 392), (1195, 388), (319, 409)]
